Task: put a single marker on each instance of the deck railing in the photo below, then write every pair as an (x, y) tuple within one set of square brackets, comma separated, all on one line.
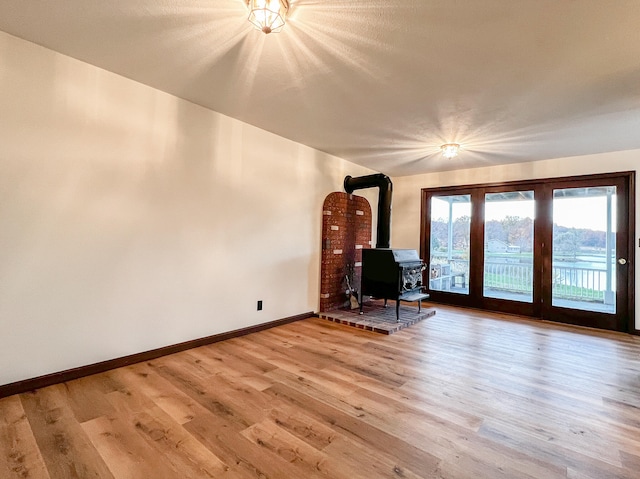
[(568, 282), (513, 278), (582, 284)]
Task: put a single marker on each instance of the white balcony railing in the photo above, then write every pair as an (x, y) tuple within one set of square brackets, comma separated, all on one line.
[(568, 282)]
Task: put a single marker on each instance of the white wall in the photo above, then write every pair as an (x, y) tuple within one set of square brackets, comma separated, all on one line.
[(407, 194), (131, 219)]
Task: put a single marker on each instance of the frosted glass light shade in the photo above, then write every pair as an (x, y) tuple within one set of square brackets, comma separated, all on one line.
[(450, 150), (268, 15)]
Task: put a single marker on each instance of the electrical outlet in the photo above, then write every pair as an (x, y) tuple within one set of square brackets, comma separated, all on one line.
[(260, 305)]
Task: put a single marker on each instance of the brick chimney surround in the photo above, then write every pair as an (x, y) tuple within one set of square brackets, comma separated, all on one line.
[(346, 230)]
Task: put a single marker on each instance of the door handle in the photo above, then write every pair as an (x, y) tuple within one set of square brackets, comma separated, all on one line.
[(622, 261)]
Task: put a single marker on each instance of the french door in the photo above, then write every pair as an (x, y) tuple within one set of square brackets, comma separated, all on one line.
[(556, 249)]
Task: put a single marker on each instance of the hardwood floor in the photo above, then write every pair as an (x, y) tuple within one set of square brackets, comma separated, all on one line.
[(463, 394)]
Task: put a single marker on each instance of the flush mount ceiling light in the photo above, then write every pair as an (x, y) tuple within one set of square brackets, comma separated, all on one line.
[(268, 15), (450, 150)]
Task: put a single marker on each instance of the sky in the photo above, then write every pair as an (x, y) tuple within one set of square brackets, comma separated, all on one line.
[(581, 212)]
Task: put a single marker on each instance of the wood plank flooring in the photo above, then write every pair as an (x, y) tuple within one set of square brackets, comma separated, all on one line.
[(463, 394)]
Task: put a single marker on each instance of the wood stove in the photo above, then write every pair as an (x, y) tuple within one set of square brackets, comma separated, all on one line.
[(387, 273), (392, 274)]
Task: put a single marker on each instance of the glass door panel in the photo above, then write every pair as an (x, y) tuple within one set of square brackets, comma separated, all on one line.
[(449, 243), (584, 249), (573, 262), (508, 245)]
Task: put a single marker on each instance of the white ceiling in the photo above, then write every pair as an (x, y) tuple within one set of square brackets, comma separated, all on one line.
[(382, 83)]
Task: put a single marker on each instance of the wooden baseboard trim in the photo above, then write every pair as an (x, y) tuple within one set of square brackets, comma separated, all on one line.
[(75, 373)]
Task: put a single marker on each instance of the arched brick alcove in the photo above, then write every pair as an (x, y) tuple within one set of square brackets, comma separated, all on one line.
[(346, 230)]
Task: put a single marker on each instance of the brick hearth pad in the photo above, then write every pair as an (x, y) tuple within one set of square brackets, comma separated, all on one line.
[(377, 318)]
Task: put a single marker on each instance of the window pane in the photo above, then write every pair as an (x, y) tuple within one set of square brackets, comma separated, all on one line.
[(450, 239), (584, 249), (508, 245)]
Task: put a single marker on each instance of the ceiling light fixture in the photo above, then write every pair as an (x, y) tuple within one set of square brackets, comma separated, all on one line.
[(268, 15), (450, 150)]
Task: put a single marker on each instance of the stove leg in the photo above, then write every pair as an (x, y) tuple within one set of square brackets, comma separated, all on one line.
[(385, 302), (361, 301), (397, 310), (419, 305)]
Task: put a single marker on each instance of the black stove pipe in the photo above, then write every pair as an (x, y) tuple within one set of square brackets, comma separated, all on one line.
[(384, 202)]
